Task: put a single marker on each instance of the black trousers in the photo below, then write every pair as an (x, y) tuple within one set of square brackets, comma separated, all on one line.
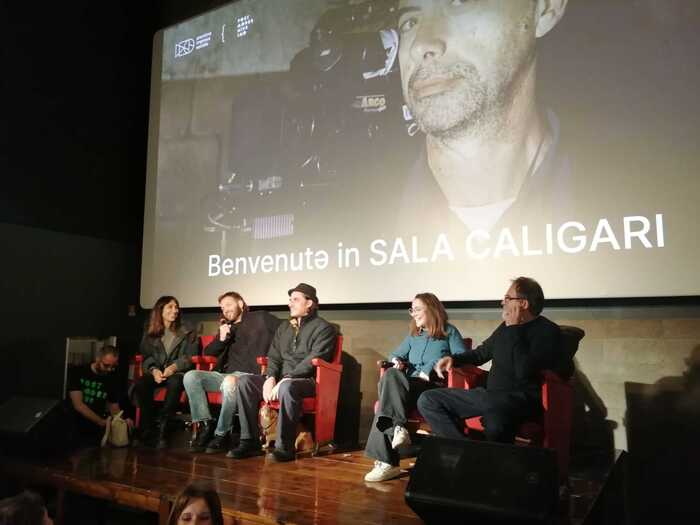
[(291, 396), (398, 394), (501, 412), (144, 389)]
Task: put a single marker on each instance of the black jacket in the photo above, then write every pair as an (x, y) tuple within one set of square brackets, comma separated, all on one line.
[(248, 339), (519, 354), (184, 347), (291, 351)]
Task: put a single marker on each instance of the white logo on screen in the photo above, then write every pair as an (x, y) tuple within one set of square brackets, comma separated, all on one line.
[(185, 47), (203, 40), (243, 24)]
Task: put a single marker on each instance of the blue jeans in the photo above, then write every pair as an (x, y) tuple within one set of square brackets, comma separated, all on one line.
[(198, 383)]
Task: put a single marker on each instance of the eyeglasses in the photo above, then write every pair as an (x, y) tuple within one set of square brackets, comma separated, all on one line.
[(412, 311), (507, 298), (107, 366)]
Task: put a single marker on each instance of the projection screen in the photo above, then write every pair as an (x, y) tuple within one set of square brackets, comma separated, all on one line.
[(379, 149)]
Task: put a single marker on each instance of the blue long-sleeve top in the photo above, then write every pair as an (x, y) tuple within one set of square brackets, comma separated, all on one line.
[(422, 351)]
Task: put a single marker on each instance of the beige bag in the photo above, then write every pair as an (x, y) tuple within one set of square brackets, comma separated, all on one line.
[(116, 431)]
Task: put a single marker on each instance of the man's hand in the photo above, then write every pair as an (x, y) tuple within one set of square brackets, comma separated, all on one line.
[(274, 395), (398, 364), (268, 386), (443, 365), (130, 423), (157, 375), (513, 312), (224, 330), (169, 370), (104, 422)]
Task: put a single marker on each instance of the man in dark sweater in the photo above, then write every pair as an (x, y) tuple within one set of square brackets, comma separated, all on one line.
[(242, 337), (521, 347), (290, 375)]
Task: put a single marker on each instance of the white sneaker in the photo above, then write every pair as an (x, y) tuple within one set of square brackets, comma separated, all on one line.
[(382, 472), (401, 437)]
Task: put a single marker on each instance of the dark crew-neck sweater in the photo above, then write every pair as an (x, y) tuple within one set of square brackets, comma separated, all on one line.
[(519, 353)]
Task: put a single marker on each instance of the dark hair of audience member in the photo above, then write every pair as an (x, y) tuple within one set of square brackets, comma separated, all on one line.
[(156, 326), (193, 491), (436, 324), (26, 508)]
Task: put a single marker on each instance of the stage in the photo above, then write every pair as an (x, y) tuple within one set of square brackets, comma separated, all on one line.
[(323, 489)]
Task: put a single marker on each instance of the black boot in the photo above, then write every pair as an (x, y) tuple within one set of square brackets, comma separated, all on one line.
[(204, 435)]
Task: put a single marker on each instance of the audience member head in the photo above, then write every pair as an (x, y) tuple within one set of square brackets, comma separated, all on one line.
[(26, 508), (233, 306), (165, 314), (197, 504), (106, 360), (427, 313)]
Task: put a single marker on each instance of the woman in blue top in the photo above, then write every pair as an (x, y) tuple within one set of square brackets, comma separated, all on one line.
[(430, 338)]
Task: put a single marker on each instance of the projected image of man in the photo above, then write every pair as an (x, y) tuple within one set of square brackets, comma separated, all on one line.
[(468, 74)]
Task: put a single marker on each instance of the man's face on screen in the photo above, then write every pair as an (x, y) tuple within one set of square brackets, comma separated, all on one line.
[(461, 60)]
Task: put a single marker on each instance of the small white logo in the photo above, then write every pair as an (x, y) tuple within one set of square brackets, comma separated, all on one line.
[(243, 24), (184, 47), (370, 103), (203, 40)]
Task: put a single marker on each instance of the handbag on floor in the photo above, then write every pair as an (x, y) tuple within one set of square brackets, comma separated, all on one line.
[(116, 431)]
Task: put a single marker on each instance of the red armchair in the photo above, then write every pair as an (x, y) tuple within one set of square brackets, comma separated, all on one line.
[(553, 428), (324, 404)]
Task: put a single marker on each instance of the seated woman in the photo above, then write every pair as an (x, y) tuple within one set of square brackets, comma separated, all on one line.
[(430, 338), (167, 349)]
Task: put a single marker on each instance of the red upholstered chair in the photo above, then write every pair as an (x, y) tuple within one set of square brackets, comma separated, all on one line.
[(455, 379), (136, 372), (324, 404), (553, 428)]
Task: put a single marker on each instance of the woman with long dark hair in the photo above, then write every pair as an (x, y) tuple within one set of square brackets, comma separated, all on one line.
[(198, 504), (167, 348), (430, 337)]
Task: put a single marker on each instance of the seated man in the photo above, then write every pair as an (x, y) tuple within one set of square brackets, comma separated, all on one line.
[(242, 337), (521, 347), (290, 375), (94, 391)]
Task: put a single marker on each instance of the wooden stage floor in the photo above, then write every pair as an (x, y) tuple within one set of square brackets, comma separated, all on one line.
[(311, 490)]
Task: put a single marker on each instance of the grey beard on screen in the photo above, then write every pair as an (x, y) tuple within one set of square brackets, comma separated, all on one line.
[(471, 108)]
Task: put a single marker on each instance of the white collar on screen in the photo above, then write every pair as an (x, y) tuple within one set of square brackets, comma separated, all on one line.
[(482, 217)]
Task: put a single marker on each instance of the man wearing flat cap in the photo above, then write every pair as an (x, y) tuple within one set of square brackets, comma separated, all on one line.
[(290, 375)]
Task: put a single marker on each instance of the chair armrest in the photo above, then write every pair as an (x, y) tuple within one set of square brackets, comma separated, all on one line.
[(262, 361), (322, 363), (138, 359), (550, 376), (205, 362), (469, 376)]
